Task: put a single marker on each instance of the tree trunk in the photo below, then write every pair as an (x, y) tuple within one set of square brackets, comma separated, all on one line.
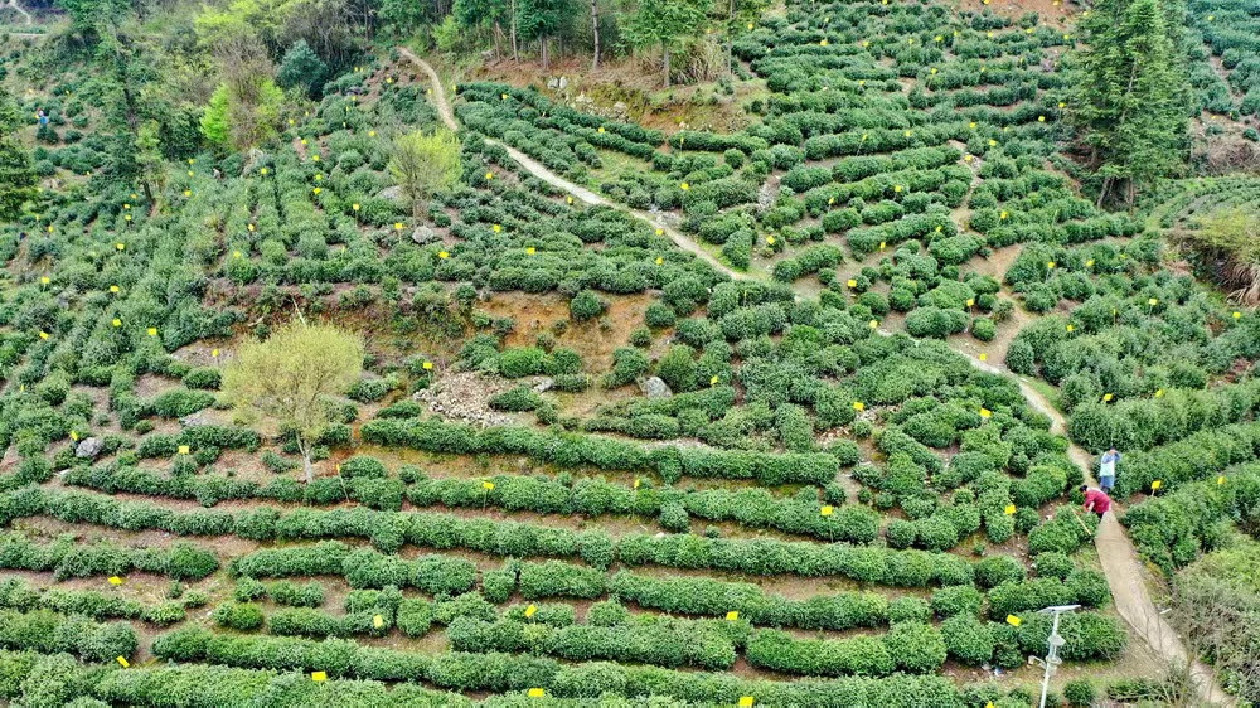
[(307, 468), (595, 33), (730, 44), (666, 62), (498, 36), (516, 55), (544, 41), (1102, 192)]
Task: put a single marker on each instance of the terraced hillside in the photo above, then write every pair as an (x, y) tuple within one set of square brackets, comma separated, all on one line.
[(789, 416)]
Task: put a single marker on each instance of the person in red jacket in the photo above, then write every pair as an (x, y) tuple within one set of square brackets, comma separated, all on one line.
[(1097, 501)]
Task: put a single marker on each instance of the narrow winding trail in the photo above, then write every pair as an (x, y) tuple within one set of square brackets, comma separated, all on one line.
[(1116, 552), (578, 192), (1122, 565)]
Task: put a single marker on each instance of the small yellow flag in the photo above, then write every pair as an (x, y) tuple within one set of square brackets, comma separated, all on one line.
[(122, 661), (770, 240), (1014, 621), (378, 621), (636, 482), (684, 186), (568, 200), (1220, 480), (443, 254), (184, 450), (601, 129), (989, 704), (45, 280), (354, 206), (746, 701), (1009, 510), (1156, 484), (530, 250), (489, 175), (427, 365), (968, 157), (1071, 328), (114, 288), (984, 356), (732, 616), (1237, 315), (1107, 397), (236, 254), (992, 142), (1159, 393), (1041, 119), (1153, 302), (1049, 264), (660, 260), (214, 353), (319, 676), (873, 324), (852, 283), (117, 322), (497, 228), (827, 511), (859, 406), (713, 381), (120, 245), (883, 245), (115, 580), (537, 693), (986, 413), (971, 302), (398, 225), (487, 486), (531, 610), (371, 133), (1089, 263), (74, 435)]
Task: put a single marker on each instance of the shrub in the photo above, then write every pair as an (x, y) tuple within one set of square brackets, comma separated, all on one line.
[(244, 616)]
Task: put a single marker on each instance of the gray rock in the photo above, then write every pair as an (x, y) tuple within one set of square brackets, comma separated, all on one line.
[(654, 387), (544, 384), (253, 160), (89, 448), (196, 420), (394, 192), (620, 108), (425, 235)]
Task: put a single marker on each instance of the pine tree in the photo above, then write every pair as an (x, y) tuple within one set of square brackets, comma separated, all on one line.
[(1132, 98)]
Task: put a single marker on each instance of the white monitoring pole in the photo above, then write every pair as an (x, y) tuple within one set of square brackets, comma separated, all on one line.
[(1055, 641)]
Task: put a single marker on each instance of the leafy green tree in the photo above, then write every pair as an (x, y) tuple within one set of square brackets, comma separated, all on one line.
[(667, 24), (286, 380), (1133, 93), (245, 116), (542, 20), (494, 14), (302, 68), (17, 175), (425, 165)]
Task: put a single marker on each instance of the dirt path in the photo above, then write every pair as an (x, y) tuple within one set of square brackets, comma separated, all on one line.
[(26, 16), (578, 192), (1121, 564), (1119, 558)]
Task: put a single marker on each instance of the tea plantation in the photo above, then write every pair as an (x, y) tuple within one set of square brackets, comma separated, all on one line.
[(652, 409)]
